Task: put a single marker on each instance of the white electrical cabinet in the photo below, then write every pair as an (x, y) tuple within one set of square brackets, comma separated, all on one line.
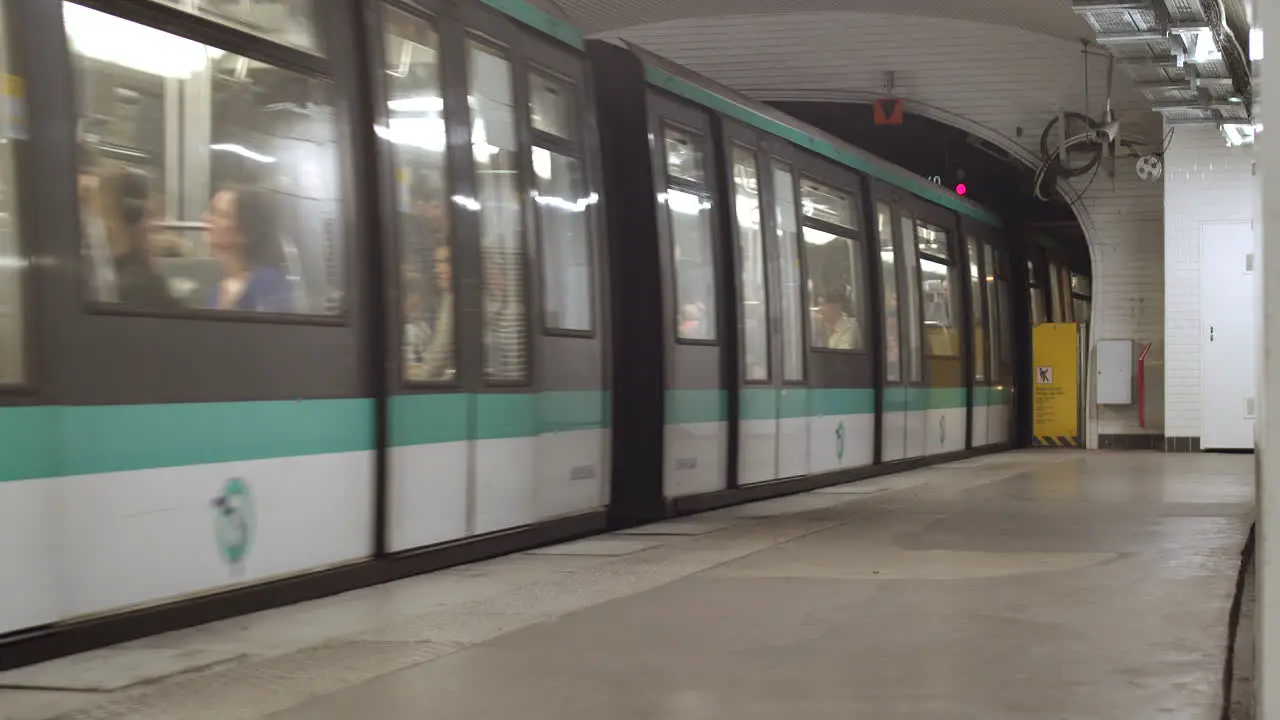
[(1115, 372)]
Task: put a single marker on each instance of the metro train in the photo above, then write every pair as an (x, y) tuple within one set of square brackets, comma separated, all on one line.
[(303, 296)]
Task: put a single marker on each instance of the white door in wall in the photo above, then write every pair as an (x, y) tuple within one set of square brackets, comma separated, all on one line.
[(1229, 335)]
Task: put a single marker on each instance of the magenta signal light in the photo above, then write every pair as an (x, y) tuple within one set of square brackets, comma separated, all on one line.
[(961, 189)]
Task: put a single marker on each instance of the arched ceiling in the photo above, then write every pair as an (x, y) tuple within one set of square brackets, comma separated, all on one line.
[(1047, 17)]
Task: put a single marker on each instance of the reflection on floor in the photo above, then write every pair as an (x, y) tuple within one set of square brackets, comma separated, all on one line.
[(1041, 584)]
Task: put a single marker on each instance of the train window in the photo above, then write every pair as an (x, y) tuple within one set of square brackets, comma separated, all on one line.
[(562, 204), (938, 293), (1080, 284), (932, 241), (755, 309), (12, 259), (284, 21), (415, 121), (551, 106), (827, 204), (496, 152), (834, 288), (784, 189), (911, 263), (695, 270), (995, 320), (1006, 330), (979, 320), (684, 154), (889, 276), (208, 180)]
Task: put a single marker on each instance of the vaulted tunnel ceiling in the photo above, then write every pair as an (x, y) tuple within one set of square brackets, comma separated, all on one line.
[(1153, 37)]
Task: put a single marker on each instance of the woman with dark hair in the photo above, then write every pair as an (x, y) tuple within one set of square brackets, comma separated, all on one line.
[(243, 237), (125, 200)]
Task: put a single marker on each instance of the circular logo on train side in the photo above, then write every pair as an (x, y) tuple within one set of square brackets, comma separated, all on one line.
[(233, 521), (840, 442), (942, 430)]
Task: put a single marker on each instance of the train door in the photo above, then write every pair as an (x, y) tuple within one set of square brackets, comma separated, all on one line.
[(696, 404), (757, 419), (914, 396), (938, 412), (491, 244), (791, 404), (980, 374), (895, 374)]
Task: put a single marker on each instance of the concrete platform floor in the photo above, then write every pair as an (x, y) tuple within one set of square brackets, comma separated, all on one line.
[(1040, 584)]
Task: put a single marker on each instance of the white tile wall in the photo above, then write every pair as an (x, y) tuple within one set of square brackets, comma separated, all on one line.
[(1204, 181), (997, 82)]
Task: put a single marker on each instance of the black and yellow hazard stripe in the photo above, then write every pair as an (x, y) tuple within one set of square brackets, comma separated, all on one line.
[(1055, 441)]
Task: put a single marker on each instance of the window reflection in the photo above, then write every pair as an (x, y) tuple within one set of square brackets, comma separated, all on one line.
[(789, 272), (206, 179), (562, 205), (12, 259), (690, 217), (496, 152), (551, 106), (821, 202), (889, 276), (979, 321), (995, 320), (939, 309), (755, 311), (415, 113), (684, 158), (915, 370), (284, 21)]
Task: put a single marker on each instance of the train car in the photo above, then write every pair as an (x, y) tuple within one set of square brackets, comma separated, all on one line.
[(809, 314), (292, 290), (299, 296)]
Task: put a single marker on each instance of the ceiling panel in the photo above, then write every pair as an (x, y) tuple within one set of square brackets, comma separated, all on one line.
[(1048, 17)]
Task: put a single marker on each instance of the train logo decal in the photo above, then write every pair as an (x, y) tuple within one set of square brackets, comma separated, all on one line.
[(942, 430), (233, 521), (840, 442)]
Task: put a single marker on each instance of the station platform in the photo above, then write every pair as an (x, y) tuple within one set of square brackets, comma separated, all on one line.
[(1034, 584)]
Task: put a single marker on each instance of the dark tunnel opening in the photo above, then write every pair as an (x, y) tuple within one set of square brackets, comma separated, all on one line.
[(936, 150)]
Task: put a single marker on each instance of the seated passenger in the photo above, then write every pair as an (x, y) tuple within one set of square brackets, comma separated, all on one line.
[(417, 335), (438, 360), (243, 237), (125, 197), (835, 330)]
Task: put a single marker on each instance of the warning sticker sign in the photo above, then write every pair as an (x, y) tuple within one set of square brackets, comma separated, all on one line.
[(1044, 375)]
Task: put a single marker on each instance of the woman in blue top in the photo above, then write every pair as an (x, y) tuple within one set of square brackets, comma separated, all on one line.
[(242, 236)]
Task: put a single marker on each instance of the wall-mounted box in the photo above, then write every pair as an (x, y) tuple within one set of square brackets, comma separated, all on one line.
[(1115, 372)]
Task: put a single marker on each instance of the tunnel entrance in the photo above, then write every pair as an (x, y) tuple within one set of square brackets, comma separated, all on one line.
[(953, 157)]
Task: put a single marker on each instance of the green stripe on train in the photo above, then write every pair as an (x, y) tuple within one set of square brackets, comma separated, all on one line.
[(538, 20), (699, 406), (51, 441)]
